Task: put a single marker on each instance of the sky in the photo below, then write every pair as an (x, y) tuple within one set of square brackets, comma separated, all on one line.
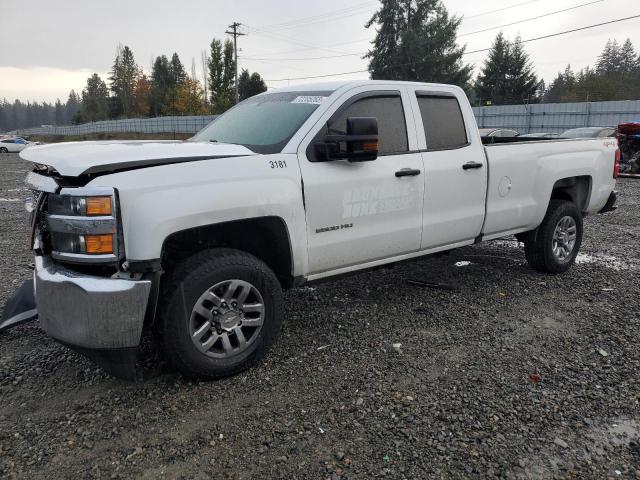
[(49, 48)]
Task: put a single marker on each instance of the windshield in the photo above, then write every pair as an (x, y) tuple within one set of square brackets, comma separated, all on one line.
[(264, 123)]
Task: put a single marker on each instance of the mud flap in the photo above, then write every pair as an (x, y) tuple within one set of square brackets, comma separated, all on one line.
[(21, 308), (119, 362)]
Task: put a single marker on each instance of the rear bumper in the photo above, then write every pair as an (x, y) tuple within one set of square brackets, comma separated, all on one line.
[(610, 206), (90, 312)]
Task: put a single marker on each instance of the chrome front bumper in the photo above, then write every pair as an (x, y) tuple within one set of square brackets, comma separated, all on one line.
[(88, 311)]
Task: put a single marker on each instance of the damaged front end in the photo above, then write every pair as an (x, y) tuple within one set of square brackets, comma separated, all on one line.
[(84, 297)]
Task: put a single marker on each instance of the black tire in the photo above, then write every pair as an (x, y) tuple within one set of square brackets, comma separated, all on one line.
[(538, 245), (4, 150), (185, 285)]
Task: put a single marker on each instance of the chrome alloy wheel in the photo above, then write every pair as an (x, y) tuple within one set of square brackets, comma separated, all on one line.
[(227, 319), (564, 238)]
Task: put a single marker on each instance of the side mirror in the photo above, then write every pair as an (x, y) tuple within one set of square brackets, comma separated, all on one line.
[(359, 144)]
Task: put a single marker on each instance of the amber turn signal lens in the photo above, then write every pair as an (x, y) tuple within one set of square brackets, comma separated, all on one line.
[(370, 147), (98, 206), (98, 244)]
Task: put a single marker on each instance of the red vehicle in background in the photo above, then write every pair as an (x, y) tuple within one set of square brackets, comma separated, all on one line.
[(629, 142)]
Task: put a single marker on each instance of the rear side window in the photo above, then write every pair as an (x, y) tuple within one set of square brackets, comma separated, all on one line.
[(443, 122), (392, 126)]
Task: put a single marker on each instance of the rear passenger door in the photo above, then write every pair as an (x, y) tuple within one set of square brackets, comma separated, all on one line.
[(455, 168)]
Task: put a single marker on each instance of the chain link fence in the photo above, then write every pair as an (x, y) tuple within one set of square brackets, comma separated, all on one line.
[(185, 125), (549, 117), (557, 117)]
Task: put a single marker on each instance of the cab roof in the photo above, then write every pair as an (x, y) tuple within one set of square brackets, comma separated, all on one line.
[(338, 85)]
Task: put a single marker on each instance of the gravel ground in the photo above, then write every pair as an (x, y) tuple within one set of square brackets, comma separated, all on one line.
[(512, 374)]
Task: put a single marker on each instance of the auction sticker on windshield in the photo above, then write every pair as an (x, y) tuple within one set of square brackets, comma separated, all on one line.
[(312, 99)]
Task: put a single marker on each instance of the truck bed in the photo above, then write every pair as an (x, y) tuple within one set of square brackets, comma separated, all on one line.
[(523, 175)]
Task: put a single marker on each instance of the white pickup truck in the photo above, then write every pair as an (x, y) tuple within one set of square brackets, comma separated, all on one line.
[(197, 239)]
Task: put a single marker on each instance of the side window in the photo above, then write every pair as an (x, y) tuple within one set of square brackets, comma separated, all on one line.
[(392, 126), (443, 122)]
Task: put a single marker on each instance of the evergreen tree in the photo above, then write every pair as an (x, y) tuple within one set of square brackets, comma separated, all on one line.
[(95, 100), (216, 69), (523, 82), (250, 84), (59, 113), (227, 97), (221, 76), (243, 84), (160, 86), (491, 84), (507, 76), (629, 58), (123, 78), (4, 120), (416, 41), (178, 73), (72, 107), (177, 76), (611, 59)]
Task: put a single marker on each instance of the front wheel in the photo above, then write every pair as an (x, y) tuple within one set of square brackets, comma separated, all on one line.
[(554, 245), (4, 150), (221, 309)]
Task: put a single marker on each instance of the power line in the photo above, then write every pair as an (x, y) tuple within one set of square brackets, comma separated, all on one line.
[(473, 51), (327, 16), (501, 9), (294, 41), (532, 18), (305, 58), (461, 35)]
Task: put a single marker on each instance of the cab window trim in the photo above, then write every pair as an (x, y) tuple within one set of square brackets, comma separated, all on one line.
[(448, 95)]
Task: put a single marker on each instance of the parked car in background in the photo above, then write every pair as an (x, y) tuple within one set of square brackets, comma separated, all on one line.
[(13, 144), (540, 135), (498, 133), (589, 132)]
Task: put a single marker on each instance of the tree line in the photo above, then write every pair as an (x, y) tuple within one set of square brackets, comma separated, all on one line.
[(416, 41), (129, 92)]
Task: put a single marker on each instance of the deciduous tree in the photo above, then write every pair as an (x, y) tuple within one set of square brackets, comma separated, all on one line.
[(142, 96), (189, 98)]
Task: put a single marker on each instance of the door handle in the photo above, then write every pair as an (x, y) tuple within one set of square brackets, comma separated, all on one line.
[(408, 172), (472, 166)]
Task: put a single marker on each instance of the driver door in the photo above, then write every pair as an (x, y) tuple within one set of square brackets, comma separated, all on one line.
[(362, 212)]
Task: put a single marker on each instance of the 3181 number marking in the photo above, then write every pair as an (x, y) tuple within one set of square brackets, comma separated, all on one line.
[(278, 164)]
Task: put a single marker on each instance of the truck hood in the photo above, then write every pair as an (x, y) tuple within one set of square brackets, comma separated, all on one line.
[(95, 158)]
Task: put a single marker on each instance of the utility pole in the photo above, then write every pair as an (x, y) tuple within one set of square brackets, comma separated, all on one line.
[(234, 31)]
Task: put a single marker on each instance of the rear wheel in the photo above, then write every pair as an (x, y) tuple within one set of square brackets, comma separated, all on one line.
[(4, 150), (554, 245), (221, 311)]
